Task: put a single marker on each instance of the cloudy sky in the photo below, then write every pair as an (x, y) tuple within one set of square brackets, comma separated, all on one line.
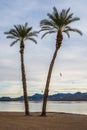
[(71, 60)]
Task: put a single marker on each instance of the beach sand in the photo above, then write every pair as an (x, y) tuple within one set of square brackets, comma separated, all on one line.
[(53, 121)]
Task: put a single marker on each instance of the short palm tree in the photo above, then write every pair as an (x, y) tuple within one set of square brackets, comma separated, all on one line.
[(57, 23), (21, 33)]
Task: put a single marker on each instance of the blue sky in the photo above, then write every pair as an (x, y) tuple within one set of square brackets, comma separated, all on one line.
[(71, 60)]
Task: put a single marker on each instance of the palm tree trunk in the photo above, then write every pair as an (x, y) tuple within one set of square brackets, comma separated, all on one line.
[(47, 83), (24, 83)]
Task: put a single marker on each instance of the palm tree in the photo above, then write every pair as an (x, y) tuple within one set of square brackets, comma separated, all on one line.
[(21, 33), (57, 23)]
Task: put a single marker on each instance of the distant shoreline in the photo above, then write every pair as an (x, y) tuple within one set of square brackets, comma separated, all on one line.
[(42, 100), (55, 97)]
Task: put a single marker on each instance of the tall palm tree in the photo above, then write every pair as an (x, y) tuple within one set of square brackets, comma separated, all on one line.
[(57, 23), (21, 33)]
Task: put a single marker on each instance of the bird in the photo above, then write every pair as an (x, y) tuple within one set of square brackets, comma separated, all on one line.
[(60, 74)]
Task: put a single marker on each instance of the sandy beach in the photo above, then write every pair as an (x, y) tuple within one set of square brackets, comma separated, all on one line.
[(53, 121)]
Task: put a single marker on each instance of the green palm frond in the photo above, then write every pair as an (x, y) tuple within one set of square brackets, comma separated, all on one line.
[(51, 17), (55, 13), (33, 34), (63, 14), (67, 33), (67, 22), (32, 39), (26, 25), (75, 30), (58, 20), (21, 32), (67, 11), (11, 37), (14, 42), (49, 32), (69, 16), (69, 29), (46, 22)]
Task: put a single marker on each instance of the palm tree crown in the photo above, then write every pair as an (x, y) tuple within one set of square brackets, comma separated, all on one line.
[(59, 21), (21, 33)]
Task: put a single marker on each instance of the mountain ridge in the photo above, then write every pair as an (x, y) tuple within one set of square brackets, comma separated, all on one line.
[(78, 96)]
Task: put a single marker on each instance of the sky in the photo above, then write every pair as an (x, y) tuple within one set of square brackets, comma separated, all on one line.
[(71, 60)]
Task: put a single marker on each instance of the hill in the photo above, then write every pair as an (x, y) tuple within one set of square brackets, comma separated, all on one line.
[(56, 97)]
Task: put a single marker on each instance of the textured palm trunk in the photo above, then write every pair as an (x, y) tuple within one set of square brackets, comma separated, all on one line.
[(24, 81), (58, 44), (47, 84)]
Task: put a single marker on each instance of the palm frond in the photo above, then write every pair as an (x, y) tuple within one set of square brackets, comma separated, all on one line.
[(72, 20), (67, 11), (31, 35), (32, 39), (55, 12), (12, 32), (11, 37), (49, 32), (18, 30), (46, 22), (68, 28), (69, 16), (14, 42), (26, 24), (75, 30), (46, 28), (67, 33), (63, 14), (28, 30), (58, 20), (21, 32), (51, 17)]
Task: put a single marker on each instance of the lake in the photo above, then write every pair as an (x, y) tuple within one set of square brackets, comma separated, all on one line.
[(78, 107)]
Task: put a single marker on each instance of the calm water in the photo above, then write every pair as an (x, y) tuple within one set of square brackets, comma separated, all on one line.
[(52, 106)]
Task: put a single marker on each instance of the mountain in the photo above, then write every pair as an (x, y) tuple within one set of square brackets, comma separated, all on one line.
[(56, 97), (35, 97), (5, 99), (69, 97)]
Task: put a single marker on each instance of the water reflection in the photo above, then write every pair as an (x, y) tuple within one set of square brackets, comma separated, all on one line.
[(52, 106)]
